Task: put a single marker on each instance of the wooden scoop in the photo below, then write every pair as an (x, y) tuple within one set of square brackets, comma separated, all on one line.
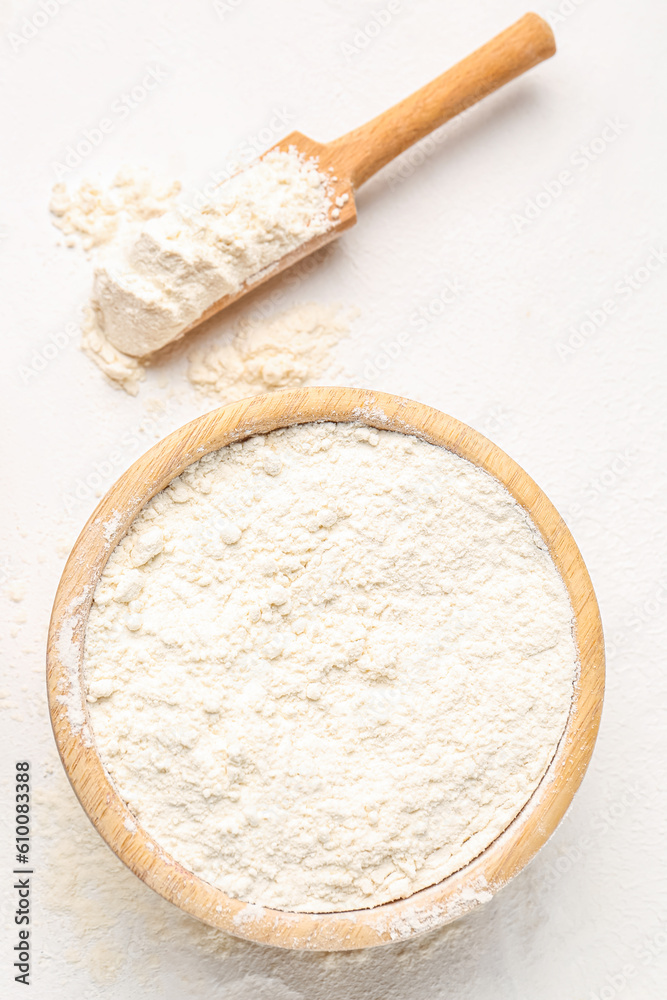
[(359, 154)]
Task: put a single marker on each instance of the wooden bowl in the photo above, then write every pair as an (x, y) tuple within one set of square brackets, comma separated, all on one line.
[(398, 920)]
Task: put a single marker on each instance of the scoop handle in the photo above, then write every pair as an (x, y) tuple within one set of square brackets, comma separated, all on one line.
[(371, 146)]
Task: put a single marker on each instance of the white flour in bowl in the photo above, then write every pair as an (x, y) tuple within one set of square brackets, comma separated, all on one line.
[(326, 667)]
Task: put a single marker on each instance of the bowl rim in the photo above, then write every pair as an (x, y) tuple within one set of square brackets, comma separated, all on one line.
[(400, 919)]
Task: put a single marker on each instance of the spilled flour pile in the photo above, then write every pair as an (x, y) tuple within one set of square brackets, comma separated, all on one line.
[(159, 265), (287, 350), (327, 666), (94, 215)]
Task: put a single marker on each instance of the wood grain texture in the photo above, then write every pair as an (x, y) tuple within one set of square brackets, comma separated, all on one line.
[(356, 156), (398, 920), (362, 152)]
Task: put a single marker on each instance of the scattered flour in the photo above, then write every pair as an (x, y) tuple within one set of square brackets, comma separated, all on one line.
[(123, 371), (288, 350), (94, 215), (326, 667)]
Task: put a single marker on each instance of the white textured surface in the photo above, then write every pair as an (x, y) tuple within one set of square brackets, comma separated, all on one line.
[(436, 257), (328, 666)]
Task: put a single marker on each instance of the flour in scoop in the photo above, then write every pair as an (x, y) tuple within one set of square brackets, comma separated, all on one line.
[(161, 279), (159, 264), (327, 666)]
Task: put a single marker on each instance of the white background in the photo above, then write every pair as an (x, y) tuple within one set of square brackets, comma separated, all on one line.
[(584, 414)]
